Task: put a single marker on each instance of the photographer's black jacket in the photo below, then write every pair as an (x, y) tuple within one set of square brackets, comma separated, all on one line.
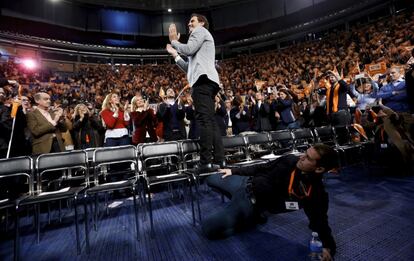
[(270, 187), (409, 83)]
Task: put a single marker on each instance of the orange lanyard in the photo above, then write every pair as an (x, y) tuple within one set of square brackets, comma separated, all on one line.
[(290, 189), (382, 134)]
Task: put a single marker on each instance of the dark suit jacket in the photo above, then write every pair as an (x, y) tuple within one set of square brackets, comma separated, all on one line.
[(261, 117), (167, 113), (43, 131), (242, 123)]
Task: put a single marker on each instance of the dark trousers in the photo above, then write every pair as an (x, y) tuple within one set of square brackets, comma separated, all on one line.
[(124, 140), (204, 92), (55, 146), (237, 215)]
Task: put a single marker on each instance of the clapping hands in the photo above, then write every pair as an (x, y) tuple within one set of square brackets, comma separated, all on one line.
[(173, 35)]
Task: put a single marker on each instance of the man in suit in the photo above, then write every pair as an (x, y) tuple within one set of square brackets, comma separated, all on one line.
[(172, 114), (261, 113), (204, 80), (46, 126)]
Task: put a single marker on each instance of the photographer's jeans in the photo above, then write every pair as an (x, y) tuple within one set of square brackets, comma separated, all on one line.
[(237, 215)]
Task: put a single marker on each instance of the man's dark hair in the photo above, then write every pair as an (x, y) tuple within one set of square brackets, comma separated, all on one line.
[(201, 19), (328, 157)]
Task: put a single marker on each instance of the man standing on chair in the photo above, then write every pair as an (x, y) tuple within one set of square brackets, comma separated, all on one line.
[(204, 80)]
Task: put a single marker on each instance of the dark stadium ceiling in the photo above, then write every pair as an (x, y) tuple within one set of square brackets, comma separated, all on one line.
[(162, 5)]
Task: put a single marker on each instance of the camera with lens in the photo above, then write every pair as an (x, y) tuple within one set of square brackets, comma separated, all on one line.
[(321, 91)]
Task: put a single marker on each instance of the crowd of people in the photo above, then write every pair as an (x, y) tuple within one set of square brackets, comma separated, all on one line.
[(308, 84)]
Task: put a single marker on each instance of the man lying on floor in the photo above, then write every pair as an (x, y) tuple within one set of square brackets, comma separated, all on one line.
[(288, 183)]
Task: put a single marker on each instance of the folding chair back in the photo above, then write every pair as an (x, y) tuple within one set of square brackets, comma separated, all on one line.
[(160, 158), (118, 163), (282, 141), (57, 164), (190, 150), (15, 179), (325, 134), (303, 139), (258, 144), (234, 148)]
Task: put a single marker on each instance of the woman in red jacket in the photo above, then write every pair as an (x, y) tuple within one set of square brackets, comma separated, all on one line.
[(115, 119), (143, 119)]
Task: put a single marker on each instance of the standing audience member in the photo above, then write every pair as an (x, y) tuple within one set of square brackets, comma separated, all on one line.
[(336, 100), (261, 114), (86, 128), (394, 94), (144, 121), (240, 116), (171, 112), (193, 130), (227, 118), (220, 114), (284, 108), (46, 125), (115, 120), (21, 142), (365, 91)]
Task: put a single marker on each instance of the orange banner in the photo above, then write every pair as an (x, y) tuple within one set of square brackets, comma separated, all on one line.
[(376, 68)]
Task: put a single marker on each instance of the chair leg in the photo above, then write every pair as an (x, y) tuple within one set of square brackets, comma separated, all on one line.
[(196, 186), (60, 211), (85, 205), (95, 214), (106, 204), (150, 211), (135, 211), (141, 193), (75, 205), (38, 222), (192, 200), (16, 236), (7, 220), (48, 213)]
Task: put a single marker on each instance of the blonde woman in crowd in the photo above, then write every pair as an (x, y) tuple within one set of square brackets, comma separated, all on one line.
[(116, 120), (143, 119)]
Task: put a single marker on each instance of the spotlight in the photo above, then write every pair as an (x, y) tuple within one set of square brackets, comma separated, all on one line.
[(29, 64), (169, 10)]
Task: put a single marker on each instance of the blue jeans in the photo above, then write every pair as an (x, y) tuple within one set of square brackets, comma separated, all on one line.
[(236, 215)]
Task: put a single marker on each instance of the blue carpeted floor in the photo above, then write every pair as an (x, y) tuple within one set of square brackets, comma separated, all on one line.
[(371, 218)]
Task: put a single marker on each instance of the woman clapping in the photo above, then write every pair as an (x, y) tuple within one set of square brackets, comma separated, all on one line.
[(86, 128), (143, 119), (116, 120)]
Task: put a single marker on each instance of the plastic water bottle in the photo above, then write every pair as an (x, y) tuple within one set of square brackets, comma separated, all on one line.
[(315, 247)]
